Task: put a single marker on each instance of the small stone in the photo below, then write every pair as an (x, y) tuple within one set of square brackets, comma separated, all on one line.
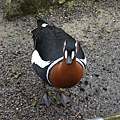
[(104, 88), (82, 89), (104, 68), (86, 97), (97, 75), (86, 82)]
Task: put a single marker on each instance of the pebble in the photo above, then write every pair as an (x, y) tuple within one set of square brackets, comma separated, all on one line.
[(82, 89), (98, 52), (104, 88)]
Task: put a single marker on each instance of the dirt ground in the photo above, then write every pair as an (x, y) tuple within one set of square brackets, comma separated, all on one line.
[(97, 27)]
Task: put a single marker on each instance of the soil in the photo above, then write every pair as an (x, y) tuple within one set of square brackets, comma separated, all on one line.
[(97, 27)]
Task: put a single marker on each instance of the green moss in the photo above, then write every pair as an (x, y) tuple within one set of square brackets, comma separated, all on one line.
[(17, 8), (70, 7)]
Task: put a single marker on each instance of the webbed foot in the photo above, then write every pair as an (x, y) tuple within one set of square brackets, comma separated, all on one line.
[(63, 97), (45, 99)]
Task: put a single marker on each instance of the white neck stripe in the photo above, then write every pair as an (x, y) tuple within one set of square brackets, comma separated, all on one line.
[(52, 64), (82, 62)]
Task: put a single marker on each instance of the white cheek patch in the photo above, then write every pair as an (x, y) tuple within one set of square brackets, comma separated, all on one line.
[(73, 54), (44, 25), (76, 45), (66, 54), (38, 60), (64, 45)]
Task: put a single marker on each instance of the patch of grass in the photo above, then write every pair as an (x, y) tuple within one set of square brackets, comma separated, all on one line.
[(105, 30), (96, 11), (95, 25), (70, 8), (18, 74), (87, 28), (34, 102)]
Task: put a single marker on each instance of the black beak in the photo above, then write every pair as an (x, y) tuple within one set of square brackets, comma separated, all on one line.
[(68, 60), (69, 57)]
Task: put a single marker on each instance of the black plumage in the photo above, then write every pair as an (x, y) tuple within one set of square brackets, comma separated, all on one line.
[(52, 47), (49, 40)]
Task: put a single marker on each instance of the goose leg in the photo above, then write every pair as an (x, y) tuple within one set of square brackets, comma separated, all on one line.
[(63, 97), (45, 98)]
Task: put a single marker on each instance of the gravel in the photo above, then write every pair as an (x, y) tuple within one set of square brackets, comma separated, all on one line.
[(97, 27)]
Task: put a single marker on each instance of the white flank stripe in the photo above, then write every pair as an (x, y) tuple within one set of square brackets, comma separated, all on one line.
[(38, 60)]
